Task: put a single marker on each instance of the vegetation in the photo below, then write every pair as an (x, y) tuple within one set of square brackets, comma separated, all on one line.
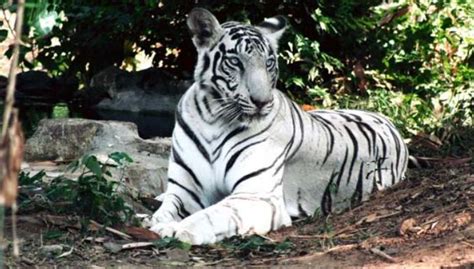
[(92, 195), (410, 60)]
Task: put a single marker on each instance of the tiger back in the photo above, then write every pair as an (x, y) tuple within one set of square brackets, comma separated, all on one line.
[(246, 159)]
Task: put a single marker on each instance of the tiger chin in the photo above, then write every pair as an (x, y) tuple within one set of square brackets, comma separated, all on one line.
[(246, 159)]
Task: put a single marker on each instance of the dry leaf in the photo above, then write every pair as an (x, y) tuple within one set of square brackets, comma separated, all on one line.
[(140, 233), (408, 225), (307, 107)]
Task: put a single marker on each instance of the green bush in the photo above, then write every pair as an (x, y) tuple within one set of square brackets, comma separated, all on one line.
[(342, 53), (92, 195)]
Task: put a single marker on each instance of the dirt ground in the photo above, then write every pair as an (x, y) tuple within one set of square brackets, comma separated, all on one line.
[(424, 222)]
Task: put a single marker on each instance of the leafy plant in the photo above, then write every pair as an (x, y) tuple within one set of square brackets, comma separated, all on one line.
[(171, 242), (246, 245), (25, 178), (342, 53), (92, 195)]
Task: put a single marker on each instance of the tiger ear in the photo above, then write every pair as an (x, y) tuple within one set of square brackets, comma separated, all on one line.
[(273, 28), (204, 27)]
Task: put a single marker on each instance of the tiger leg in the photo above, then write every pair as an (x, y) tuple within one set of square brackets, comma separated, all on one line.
[(181, 199), (242, 213)]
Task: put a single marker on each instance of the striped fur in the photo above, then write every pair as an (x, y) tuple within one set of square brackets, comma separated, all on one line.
[(246, 159)]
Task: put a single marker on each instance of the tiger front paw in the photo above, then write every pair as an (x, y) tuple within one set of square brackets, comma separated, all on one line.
[(195, 237), (165, 229)]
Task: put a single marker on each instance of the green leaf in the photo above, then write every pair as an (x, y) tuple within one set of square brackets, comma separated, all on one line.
[(53, 234), (93, 165), (25, 179), (120, 157), (171, 242), (3, 34)]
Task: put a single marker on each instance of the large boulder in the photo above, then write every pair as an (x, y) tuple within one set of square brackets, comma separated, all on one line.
[(68, 139), (150, 90), (38, 85)]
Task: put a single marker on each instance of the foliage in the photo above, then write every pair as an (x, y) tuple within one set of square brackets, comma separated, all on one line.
[(336, 54), (256, 243), (171, 242), (411, 61), (92, 195)]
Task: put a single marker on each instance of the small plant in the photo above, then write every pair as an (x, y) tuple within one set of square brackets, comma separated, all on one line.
[(171, 242), (256, 243), (92, 195)]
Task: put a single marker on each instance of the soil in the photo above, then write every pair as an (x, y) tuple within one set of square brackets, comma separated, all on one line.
[(425, 221)]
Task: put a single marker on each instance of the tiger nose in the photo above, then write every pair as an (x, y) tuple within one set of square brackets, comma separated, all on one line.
[(258, 103)]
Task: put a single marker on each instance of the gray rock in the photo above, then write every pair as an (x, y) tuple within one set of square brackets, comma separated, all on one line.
[(150, 90), (70, 139)]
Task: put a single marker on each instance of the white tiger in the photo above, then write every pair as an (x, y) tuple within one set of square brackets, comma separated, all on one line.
[(245, 159)]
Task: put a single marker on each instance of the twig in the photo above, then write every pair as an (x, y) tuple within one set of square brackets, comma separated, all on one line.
[(266, 238), (137, 245), (67, 253), (314, 236), (16, 248), (7, 114), (116, 232), (10, 97), (382, 254)]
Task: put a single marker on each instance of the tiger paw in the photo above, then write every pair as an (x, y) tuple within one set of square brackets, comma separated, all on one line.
[(165, 229), (195, 237)]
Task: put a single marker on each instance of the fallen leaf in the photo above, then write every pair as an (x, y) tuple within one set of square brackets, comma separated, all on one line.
[(307, 107), (462, 218), (407, 226), (140, 233)]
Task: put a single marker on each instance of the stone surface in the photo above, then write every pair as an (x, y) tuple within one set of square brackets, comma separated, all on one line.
[(69, 139), (39, 86), (150, 90)]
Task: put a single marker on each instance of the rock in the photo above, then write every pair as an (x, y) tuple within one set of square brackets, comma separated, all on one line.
[(35, 83), (150, 90), (70, 139), (38, 85), (51, 249)]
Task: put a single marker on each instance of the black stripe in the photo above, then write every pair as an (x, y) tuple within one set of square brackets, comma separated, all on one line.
[(369, 144), (196, 104), (207, 62), (357, 195), (354, 154), (397, 148), (373, 134), (252, 136), (234, 157), (179, 161), (253, 174), (190, 192), (393, 174), (181, 208), (300, 120), (217, 56), (343, 166), (330, 143), (235, 132), (326, 202), (301, 210), (292, 139), (187, 130)]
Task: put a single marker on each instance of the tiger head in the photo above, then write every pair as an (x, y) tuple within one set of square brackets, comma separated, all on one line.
[(237, 63)]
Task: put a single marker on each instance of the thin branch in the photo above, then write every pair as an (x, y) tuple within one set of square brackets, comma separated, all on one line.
[(9, 26), (10, 97)]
